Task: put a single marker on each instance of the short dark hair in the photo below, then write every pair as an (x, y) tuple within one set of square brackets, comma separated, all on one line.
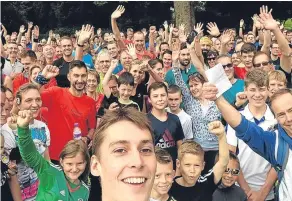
[(113, 77), (162, 156), (167, 52), (78, 64), (232, 156), (248, 47), (163, 43), (174, 89), (155, 86), (153, 62), (183, 46), (29, 53), (126, 78)]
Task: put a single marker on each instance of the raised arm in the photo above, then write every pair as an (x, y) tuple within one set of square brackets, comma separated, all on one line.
[(29, 29), (35, 37), (241, 23), (20, 33), (115, 15), (217, 128), (27, 147), (84, 36), (267, 42), (106, 89), (225, 38), (269, 23)]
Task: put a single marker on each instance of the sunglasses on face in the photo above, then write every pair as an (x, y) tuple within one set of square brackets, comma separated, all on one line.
[(234, 172), (262, 64), (227, 65), (212, 58)]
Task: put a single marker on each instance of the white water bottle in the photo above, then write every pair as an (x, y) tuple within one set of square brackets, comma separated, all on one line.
[(77, 132)]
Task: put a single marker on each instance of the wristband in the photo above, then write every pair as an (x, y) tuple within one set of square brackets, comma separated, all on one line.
[(35, 40), (41, 79)]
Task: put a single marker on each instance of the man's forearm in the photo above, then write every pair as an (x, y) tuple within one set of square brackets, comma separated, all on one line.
[(270, 181), (18, 38), (91, 133), (223, 150), (115, 29), (229, 113), (15, 188)]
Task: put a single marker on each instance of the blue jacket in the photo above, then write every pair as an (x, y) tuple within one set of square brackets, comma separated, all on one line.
[(273, 144)]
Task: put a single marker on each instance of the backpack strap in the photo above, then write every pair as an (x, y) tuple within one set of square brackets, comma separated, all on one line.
[(281, 155)]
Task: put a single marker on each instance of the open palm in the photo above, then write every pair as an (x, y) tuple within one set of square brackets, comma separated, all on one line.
[(118, 12)]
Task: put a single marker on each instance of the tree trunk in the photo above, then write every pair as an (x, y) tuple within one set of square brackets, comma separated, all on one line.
[(184, 14)]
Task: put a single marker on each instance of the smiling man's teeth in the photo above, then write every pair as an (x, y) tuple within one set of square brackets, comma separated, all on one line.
[(137, 180)]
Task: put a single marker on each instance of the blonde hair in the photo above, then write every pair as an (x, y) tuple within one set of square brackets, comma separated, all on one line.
[(277, 75), (190, 147)]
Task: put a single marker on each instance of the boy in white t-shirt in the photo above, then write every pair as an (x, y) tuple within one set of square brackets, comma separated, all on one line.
[(174, 102), (258, 176)]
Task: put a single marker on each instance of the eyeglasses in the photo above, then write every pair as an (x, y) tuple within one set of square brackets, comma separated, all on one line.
[(227, 65), (234, 172), (262, 64), (213, 58)]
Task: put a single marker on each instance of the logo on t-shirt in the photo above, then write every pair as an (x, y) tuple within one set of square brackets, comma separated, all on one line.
[(62, 192), (166, 140)]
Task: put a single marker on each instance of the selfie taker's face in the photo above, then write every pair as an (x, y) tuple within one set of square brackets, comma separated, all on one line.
[(127, 163)]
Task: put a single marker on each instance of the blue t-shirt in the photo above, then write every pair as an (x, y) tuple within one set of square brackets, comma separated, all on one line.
[(230, 94), (87, 59), (118, 68)]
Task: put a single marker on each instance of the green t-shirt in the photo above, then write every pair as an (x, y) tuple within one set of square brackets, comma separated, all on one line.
[(53, 184), (169, 77)]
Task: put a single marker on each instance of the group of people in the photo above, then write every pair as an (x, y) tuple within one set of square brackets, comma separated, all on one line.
[(132, 116)]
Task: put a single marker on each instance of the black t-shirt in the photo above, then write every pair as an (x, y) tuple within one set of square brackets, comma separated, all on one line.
[(62, 80), (201, 191), (232, 193), (5, 190), (276, 62), (288, 77), (112, 99), (167, 133), (141, 90)]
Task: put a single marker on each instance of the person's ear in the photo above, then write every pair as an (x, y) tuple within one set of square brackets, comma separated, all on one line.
[(95, 167), (61, 162), (68, 76)]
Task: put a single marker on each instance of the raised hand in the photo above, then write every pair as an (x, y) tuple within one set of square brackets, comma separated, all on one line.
[(226, 37), (165, 25), (51, 34), (241, 98), (182, 28), (13, 35), (114, 106), (171, 26), (114, 63), (174, 56), (22, 29), (182, 37), (152, 31), (144, 31), (210, 91), (36, 32), (198, 27), (118, 12), (267, 19), (24, 117), (12, 122), (131, 50), (213, 29), (98, 31), (256, 22), (241, 23), (50, 71), (216, 128), (30, 25), (85, 33)]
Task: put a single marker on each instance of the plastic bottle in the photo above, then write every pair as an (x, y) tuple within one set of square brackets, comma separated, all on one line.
[(77, 132)]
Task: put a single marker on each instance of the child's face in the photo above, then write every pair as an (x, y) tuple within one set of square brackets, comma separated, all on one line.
[(191, 167), (1, 145), (230, 177), (125, 91), (158, 98), (163, 178), (275, 85), (256, 96)]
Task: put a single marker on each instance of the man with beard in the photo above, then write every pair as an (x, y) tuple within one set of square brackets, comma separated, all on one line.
[(63, 62), (11, 66), (67, 107), (185, 65)]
